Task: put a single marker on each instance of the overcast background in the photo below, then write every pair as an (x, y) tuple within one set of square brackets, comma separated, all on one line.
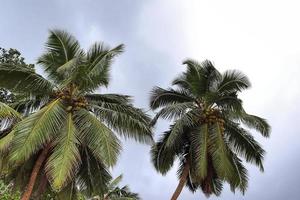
[(259, 37)]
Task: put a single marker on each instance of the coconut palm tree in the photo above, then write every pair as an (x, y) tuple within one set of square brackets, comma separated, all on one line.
[(210, 130), (115, 192), (66, 134)]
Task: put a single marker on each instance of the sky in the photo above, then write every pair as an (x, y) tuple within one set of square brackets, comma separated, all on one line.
[(259, 37)]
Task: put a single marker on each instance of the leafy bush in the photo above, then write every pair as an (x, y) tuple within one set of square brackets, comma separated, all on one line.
[(7, 192)]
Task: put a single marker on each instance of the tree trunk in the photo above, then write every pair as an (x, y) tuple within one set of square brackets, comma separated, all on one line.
[(41, 188), (182, 182), (34, 173)]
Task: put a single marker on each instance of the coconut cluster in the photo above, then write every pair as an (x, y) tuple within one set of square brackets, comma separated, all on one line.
[(74, 103), (212, 116)]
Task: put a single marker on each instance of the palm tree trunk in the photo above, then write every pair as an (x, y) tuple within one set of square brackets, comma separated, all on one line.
[(34, 173), (41, 188), (182, 182)]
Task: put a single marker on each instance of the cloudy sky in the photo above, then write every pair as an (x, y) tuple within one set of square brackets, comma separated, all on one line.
[(259, 37)]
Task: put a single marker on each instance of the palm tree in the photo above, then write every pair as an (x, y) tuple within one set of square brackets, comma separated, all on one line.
[(209, 135), (114, 192), (67, 132)]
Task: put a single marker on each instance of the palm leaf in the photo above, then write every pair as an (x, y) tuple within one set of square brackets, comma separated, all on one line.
[(115, 181), (200, 76), (161, 97), (6, 141), (173, 111), (70, 192), (240, 175), (257, 123), (128, 121), (65, 158), (162, 156), (244, 144), (199, 151), (186, 121), (233, 81), (22, 80), (108, 98), (93, 176), (220, 153), (61, 48), (27, 105), (96, 71), (228, 102), (6, 112), (36, 130), (102, 142)]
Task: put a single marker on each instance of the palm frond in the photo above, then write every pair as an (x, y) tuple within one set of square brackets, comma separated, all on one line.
[(6, 141), (215, 186), (200, 76), (183, 83), (233, 81), (93, 176), (108, 98), (244, 144), (96, 71), (67, 68), (61, 47), (65, 158), (6, 112), (70, 192), (22, 80), (240, 175), (162, 156), (258, 123), (199, 151), (122, 193), (36, 130), (220, 153), (173, 111), (161, 97), (128, 121), (30, 104), (102, 142), (186, 121), (63, 44), (116, 181)]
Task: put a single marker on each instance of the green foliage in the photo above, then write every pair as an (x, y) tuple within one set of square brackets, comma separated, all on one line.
[(8, 112), (65, 159), (36, 130), (207, 133), (13, 56), (7, 192)]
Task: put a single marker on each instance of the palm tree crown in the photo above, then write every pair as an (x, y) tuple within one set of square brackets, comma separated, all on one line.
[(115, 192), (63, 118), (209, 134)]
